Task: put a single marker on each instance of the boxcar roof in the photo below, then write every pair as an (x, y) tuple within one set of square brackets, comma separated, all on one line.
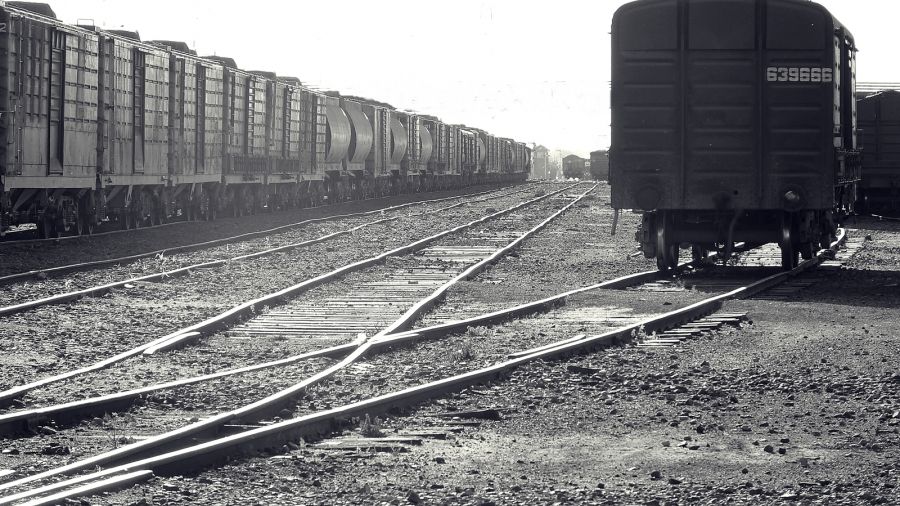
[(805, 3)]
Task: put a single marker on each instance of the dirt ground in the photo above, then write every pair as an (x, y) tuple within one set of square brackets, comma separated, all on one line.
[(800, 404)]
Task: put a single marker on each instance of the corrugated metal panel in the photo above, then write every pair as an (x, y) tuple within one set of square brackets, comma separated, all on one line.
[(338, 131), (699, 127), (426, 145), (453, 149), (236, 115), (156, 112), (275, 117), (398, 140), (362, 136), (321, 133), (482, 151), (879, 120), (375, 165), (413, 147), (188, 148), (308, 133), (122, 161), (258, 125), (214, 119)]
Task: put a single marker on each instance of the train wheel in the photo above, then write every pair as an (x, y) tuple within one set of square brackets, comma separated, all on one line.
[(825, 240), (666, 251), (861, 204), (204, 208), (699, 253), (789, 257), (78, 224), (46, 227), (162, 213), (789, 250), (155, 212), (807, 250), (87, 223)]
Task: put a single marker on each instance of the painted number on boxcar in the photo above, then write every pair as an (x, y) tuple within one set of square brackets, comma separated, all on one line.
[(2, 27), (799, 75)]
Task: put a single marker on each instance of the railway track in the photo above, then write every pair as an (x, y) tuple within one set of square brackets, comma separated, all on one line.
[(309, 421), (149, 310), (21, 237), (182, 261), (451, 264), (885, 218), (235, 240)]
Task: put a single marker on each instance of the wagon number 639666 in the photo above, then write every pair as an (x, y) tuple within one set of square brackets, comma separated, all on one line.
[(799, 74)]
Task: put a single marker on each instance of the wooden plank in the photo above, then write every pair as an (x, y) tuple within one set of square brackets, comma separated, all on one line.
[(481, 413)]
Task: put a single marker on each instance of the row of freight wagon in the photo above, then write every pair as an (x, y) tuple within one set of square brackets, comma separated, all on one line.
[(879, 122), (99, 125)]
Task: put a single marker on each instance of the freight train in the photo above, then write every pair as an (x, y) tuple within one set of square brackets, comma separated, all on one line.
[(733, 121), (99, 126), (879, 122)]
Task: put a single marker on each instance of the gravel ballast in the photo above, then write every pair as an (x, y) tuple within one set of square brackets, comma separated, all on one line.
[(800, 404)]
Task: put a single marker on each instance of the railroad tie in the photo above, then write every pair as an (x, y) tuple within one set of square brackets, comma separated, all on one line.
[(697, 327)]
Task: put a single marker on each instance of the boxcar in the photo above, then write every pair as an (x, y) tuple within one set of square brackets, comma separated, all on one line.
[(879, 120), (98, 125), (599, 165), (48, 130), (362, 138), (732, 121)]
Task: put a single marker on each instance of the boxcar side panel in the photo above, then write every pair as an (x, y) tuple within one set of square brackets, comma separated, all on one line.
[(122, 149), (29, 43), (879, 119), (214, 124), (156, 113)]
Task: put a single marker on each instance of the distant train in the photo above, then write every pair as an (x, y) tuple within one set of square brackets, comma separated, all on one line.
[(879, 122), (733, 121), (98, 125)]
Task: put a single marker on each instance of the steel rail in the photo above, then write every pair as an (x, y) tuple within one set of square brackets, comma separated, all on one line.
[(11, 278), (19, 421), (276, 401), (16, 242), (246, 309), (314, 424), (94, 291)]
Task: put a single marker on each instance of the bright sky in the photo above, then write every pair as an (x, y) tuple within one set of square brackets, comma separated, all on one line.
[(534, 71)]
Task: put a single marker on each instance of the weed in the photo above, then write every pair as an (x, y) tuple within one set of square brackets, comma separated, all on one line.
[(640, 334), (371, 428), (160, 259), (115, 434), (463, 352), (481, 331)]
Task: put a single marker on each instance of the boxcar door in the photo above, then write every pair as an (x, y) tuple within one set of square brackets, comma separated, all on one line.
[(106, 106), (250, 108), (56, 110), (177, 85), (138, 110), (200, 128)]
